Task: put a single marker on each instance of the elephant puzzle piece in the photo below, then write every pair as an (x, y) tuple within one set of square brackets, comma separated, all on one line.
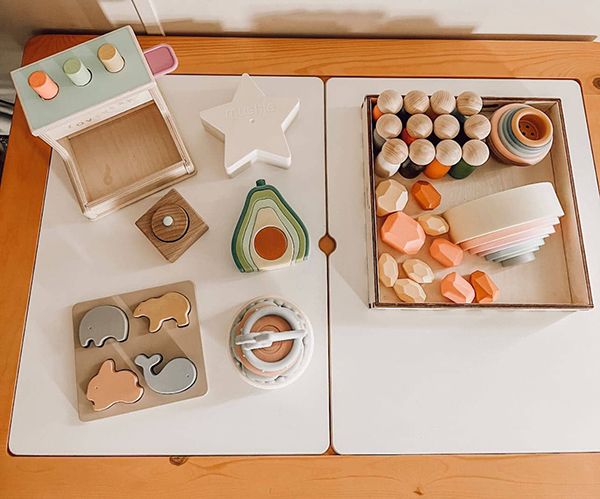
[(175, 377), (253, 127), (169, 306), (268, 235), (111, 387), (101, 323)]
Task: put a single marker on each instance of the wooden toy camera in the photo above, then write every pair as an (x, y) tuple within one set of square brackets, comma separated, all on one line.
[(99, 106)]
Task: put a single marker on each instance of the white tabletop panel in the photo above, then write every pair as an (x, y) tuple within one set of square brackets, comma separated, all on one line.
[(415, 381), (79, 260)]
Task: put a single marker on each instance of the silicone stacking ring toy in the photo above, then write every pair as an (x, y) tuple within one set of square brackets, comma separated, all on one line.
[(520, 135), (271, 343)]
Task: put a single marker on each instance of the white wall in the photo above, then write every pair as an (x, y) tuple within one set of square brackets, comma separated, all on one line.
[(21, 19)]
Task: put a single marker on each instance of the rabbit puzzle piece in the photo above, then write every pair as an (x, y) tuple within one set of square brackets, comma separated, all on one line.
[(175, 377), (111, 387), (102, 323), (268, 235), (168, 306), (253, 127)]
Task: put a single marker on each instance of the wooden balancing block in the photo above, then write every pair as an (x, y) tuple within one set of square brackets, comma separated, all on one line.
[(426, 195), (98, 105), (269, 235), (457, 289), (388, 270), (117, 360), (271, 343), (391, 196), (172, 225), (402, 233), (253, 127)]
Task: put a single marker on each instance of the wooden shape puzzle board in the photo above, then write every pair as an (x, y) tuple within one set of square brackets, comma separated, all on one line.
[(79, 260), (170, 341), (429, 382)]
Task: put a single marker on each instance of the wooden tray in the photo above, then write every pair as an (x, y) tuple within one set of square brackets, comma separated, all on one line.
[(170, 341), (557, 279)]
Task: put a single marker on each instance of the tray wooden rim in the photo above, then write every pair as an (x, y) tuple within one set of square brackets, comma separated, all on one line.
[(337, 476)]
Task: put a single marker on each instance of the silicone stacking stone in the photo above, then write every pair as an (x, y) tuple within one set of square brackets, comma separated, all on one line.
[(457, 289), (391, 196), (388, 270), (418, 126), (446, 127), (420, 153), (447, 154), (418, 271), (475, 154), (477, 127), (433, 225), (468, 104), (446, 253), (409, 291), (486, 290), (393, 153), (426, 195), (389, 101), (442, 102), (403, 233), (387, 127)]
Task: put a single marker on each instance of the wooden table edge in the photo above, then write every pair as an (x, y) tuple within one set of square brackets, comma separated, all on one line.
[(21, 203)]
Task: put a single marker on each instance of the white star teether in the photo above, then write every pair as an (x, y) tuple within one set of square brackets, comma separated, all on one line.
[(252, 127)]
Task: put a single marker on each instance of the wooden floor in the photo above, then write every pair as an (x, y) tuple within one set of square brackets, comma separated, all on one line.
[(21, 200)]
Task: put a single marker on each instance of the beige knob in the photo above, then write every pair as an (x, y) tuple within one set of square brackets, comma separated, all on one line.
[(448, 152), (419, 126), (469, 103), (475, 152), (446, 126), (416, 102), (477, 127), (421, 152), (442, 102), (388, 126), (110, 57), (389, 101)]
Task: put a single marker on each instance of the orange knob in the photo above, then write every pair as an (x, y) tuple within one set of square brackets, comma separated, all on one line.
[(43, 85)]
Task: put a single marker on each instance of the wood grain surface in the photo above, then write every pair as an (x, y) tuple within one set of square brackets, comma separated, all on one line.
[(21, 201)]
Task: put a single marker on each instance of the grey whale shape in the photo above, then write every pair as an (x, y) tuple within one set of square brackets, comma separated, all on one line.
[(176, 376)]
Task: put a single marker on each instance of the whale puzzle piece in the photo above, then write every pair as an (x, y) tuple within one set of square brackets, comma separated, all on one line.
[(110, 387), (168, 306), (101, 323), (175, 377)]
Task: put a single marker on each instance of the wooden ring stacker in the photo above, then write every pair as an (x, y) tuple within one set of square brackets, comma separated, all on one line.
[(170, 223)]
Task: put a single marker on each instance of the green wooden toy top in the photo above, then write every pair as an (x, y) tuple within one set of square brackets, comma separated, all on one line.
[(73, 99)]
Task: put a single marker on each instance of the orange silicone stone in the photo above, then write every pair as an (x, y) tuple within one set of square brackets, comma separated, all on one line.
[(445, 252), (406, 137), (377, 113), (457, 289), (403, 233), (485, 289), (426, 195)]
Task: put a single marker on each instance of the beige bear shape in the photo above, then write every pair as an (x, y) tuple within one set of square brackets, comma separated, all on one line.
[(168, 306)]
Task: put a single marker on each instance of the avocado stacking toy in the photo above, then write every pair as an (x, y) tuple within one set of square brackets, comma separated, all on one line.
[(269, 235)]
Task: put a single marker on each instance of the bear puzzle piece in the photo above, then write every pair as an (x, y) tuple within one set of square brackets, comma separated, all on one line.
[(169, 306), (172, 225), (268, 235), (402, 233), (101, 323), (253, 127), (409, 291), (175, 377), (388, 270), (110, 387)]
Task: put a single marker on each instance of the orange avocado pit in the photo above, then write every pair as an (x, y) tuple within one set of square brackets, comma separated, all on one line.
[(270, 243)]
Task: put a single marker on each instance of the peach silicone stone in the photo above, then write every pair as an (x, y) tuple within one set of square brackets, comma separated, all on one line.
[(433, 225), (409, 291), (426, 195), (457, 289), (391, 196), (418, 270), (446, 253), (388, 270), (486, 290), (403, 233)]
